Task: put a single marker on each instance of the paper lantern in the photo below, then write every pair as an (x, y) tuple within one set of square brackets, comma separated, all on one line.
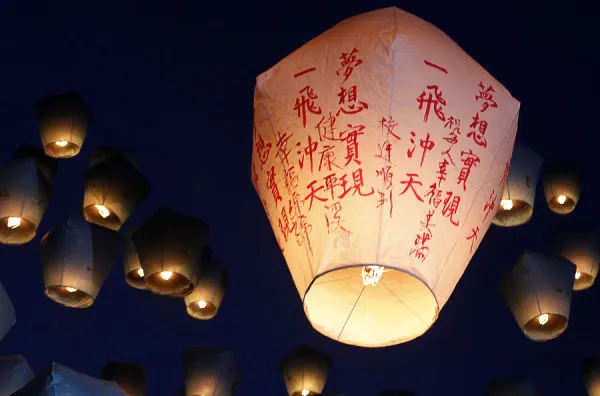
[(169, 246), (537, 290), (46, 165), (590, 368), (15, 373), (205, 300), (24, 196), (562, 186), (7, 313), (305, 371), (518, 197), (134, 273), (581, 246), (114, 188), (77, 257), (514, 386), (130, 377), (63, 122), (63, 381), (395, 393), (380, 153), (105, 153), (210, 371)]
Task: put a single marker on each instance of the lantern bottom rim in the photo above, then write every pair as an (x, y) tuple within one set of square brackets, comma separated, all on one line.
[(565, 208), (54, 151), (554, 327), (208, 312), (75, 299), (112, 222), (519, 214), (20, 235), (584, 282), (176, 286), (134, 280), (400, 308)]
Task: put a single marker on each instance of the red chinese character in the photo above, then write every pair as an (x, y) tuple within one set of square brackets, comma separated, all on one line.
[(328, 158), (326, 128), (285, 225), (313, 193), (333, 220), (420, 253), (426, 145), (485, 94), (479, 129), (385, 197), (411, 151), (282, 149), (389, 126), (409, 184), (349, 62), (505, 176), (385, 151), (387, 174), (442, 171), (475, 232), (290, 177), (306, 230), (435, 196), (426, 226), (451, 204), (348, 98), (307, 103), (272, 185), (437, 102), (489, 205), (263, 149), (469, 160), (351, 140), (308, 151), (358, 184), (452, 123)]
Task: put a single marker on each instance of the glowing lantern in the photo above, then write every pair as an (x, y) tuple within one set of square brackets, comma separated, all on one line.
[(7, 313), (24, 195), (134, 273), (305, 371), (516, 206), (210, 371), (130, 377), (562, 186), (581, 246), (590, 368), (537, 290), (205, 300), (169, 246), (114, 188), (77, 257), (15, 373), (359, 151), (513, 386), (63, 122)]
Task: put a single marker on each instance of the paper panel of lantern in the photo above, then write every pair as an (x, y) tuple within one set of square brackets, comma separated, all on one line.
[(380, 154), (129, 376), (581, 246), (15, 373), (305, 371), (7, 312), (204, 302), (590, 368), (210, 371)]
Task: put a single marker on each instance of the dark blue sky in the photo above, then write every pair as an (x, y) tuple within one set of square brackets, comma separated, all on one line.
[(175, 79)]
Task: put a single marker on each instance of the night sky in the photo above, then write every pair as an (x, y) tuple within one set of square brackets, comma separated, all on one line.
[(175, 80)]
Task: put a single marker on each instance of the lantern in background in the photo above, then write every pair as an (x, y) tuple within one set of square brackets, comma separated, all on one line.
[(114, 188), (562, 186), (77, 257), (62, 381), (63, 122), (365, 138), (130, 377), (537, 290), (134, 273), (210, 371), (15, 373), (590, 368), (169, 246), (305, 371), (581, 246), (205, 300), (395, 393), (514, 386), (518, 197), (24, 194), (7, 313)]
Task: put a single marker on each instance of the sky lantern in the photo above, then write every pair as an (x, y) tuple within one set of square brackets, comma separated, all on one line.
[(562, 185), (590, 368), (380, 154), (581, 246), (170, 245), (134, 273), (130, 377), (537, 290), (77, 257), (305, 371), (63, 121), (25, 189), (15, 373), (7, 313), (512, 386), (205, 300), (518, 197), (114, 188), (210, 371)]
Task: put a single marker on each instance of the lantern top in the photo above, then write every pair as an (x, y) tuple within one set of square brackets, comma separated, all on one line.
[(105, 153), (66, 102), (304, 352)]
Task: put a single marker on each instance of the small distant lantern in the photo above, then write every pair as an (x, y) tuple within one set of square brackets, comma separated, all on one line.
[(114, 188), (24, 195), (15, 373), (63, 122), (210, 371), (169, 246), (395, 393), (513, 386), (305, 371), (590, 368), (130, 377), (562, 186), (134, 273), (205, 300), (518, 197), (537, 290), (581, 246), (7, 313), (77, 257)]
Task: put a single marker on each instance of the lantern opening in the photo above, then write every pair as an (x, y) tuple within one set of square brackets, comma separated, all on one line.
[(136, 277), (102, 216), (512, 211), (175, 285), (194, 309), (61, 149), (562, 204), (401, 308), (545, 327), (583, 280), (16, 230), (69, 296)]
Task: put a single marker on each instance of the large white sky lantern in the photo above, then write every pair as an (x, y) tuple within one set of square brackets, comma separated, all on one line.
[(380, 154)]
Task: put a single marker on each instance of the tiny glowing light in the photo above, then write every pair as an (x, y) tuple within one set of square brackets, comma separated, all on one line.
[(305, 392), (202, 304), (543, 319), (561, 199), (13, 222), (61, 143), (166, 275), (103, 211), (140, 273), (71, 289), (577, 275), (507, 204), (371, 274)]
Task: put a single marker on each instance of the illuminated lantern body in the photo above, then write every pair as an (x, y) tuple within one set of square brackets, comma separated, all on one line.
[(210, 371), (134, 273), (581, 246), (77, 257), (537, 290), (305, 371), (15, 373), (169, 246), (114, 188), (205, 300), (590, 368), (63, 122), (7, 313), (516, 206), (351, 163), (130, 377), (515, 386), (562, 186)]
